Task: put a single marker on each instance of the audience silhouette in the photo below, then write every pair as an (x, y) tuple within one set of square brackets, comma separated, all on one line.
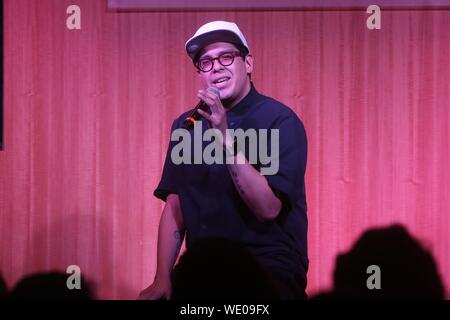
[(3, 287), (219, 269), (49, 286), (406, 269)]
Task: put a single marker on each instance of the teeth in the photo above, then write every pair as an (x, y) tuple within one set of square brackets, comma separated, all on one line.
[(221, 80)]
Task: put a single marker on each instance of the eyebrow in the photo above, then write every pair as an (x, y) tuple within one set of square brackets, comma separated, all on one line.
[(220, 52)]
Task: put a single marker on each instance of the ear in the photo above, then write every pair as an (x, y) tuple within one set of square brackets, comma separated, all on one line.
[(249, 63)]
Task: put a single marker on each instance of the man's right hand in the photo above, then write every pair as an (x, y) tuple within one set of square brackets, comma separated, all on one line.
[(160, 289), (170, 236)]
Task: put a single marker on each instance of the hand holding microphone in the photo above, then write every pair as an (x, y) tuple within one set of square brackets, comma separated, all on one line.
[(201, 109)]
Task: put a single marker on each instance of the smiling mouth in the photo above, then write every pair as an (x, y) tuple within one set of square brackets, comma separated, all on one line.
[(221, 80)]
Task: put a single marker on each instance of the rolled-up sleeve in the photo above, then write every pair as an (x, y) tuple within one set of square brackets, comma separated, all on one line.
[(169, 179), (288, 181)]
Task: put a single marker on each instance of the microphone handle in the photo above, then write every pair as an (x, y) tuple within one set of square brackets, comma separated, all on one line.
[(194, 115)]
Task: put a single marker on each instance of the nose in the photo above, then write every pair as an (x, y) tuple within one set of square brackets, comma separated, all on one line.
[(216, 65)]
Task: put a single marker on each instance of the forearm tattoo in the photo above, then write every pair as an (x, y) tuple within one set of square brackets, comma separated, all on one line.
[(177, 236)]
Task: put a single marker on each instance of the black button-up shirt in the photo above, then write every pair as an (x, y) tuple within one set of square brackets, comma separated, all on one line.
[(212, 207)]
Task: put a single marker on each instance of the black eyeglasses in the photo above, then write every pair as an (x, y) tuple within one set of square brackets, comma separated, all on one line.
[(225, 59)]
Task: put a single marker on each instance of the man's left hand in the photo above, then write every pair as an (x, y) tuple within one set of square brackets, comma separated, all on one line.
[(218, 117)]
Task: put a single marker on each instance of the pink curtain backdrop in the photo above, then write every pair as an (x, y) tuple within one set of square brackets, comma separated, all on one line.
[(88, 115)]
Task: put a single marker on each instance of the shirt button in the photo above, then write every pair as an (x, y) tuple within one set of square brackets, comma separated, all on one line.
[(232, 123)]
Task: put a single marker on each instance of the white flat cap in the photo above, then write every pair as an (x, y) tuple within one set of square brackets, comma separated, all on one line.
[(215, 31)]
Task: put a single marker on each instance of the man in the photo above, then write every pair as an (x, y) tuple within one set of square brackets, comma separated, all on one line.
[(233, 200)]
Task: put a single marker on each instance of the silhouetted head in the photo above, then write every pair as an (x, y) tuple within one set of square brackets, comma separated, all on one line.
[(220, 269), (3, 287), (49, 286), (406, 269)]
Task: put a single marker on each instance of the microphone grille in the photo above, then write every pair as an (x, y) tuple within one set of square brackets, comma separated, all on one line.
[(215, 91)]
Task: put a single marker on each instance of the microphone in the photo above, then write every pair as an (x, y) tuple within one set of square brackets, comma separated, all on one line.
[(194, 115)]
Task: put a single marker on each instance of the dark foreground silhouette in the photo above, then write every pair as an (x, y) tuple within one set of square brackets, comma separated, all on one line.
[(48, 286), (218, 269), (406, 269)]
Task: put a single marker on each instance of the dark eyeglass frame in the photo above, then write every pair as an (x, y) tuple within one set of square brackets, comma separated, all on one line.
[(234, 54)]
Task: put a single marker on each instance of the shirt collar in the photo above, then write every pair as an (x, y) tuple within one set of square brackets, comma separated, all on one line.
[(244, 105)]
